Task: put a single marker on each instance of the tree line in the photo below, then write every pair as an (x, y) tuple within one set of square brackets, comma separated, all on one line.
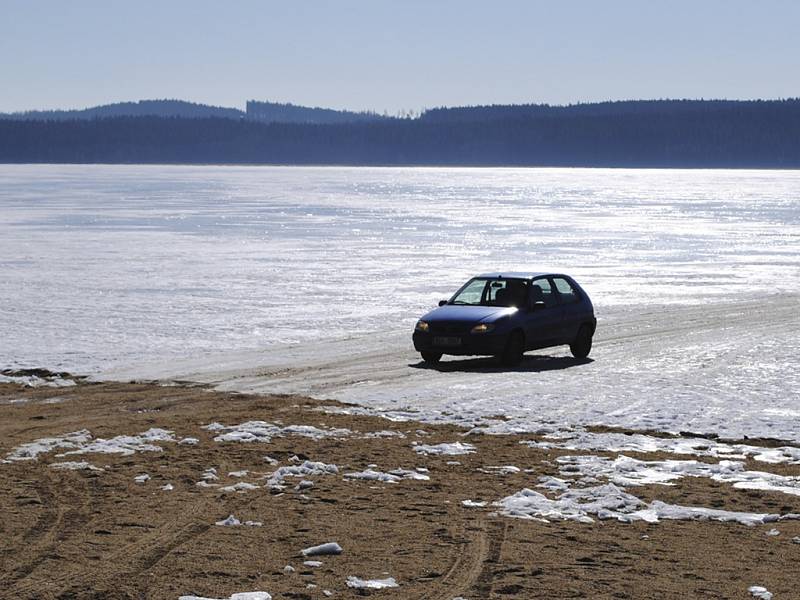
[(673, 133)]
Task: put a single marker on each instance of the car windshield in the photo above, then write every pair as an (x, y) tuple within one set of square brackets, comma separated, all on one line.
[(497, 291)]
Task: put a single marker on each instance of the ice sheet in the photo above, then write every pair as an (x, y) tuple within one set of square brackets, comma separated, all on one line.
[(104, 264), (308, 280)]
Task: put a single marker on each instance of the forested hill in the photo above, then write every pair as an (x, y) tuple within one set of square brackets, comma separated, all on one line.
[(267, 112), (598, 109), (274, 112), (142, 108), (757, 134)]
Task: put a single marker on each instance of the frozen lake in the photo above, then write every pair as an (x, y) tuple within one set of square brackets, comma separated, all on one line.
[(216, 274)]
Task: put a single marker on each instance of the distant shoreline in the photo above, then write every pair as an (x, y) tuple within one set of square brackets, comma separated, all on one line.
[(398, 166)]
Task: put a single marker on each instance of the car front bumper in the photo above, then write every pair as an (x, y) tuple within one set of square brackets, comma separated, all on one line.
[(485, 344)]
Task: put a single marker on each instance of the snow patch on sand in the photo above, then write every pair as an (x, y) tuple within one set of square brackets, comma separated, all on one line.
[(501, 470), (627, 471), (620, 442), (306, 469), (473, 503), (396, 416), (572, 505), (262, 431), (36, 381), (241, 486), (13, 401), (237, 596), (417, 474), (32, 450), (74, 466), (553, 483), (232, 521), (384, 433), (54, 400), (370, 475), (392, 476), (593, 488), (611, 502), (452, 449), (126, 445)]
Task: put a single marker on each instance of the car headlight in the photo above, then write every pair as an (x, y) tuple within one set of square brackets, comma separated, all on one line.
[(482, 328), (422, 326)]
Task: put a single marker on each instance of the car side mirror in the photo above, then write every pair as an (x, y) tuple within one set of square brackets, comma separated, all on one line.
[(442, 302)]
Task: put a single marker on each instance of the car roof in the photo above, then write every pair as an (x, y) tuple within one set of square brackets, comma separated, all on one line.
[(517, 274)]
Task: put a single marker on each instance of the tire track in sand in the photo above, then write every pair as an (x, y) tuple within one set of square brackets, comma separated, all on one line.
[(467, 566)]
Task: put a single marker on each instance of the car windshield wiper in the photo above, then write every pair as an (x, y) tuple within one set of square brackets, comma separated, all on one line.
[(462, 303)]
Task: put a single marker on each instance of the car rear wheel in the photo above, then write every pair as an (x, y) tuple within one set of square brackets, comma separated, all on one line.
[(515, 348), (431, 357), (582, 344)]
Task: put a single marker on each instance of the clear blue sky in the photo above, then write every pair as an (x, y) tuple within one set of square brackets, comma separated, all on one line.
[(390, 55)]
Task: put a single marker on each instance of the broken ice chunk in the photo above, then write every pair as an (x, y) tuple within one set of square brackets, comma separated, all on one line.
[(322, 549), (757, 591), (371, 584)]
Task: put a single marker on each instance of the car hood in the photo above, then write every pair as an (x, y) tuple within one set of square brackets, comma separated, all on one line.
[(475, 314)]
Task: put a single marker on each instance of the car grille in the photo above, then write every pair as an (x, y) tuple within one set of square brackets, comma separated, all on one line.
[(451, 328)]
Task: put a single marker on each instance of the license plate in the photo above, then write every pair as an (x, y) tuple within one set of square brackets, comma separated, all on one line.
[(446, 341)]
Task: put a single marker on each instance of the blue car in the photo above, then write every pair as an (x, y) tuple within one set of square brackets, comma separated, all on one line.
[(506, 314)]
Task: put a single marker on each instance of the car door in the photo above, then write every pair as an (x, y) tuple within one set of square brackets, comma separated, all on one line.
[(543, 319), (573, 309)]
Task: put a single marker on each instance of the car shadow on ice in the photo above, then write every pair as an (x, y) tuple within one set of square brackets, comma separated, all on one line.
[(530, 364)]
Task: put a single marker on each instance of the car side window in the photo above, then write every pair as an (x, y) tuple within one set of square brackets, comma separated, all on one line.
[(566, 292), (542, 291), (507, 292)]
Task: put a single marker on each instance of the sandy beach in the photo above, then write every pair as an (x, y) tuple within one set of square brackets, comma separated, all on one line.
[(116, 519)]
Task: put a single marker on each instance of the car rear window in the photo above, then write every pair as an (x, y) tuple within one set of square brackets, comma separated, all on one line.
[(546, 295), (565, 291)]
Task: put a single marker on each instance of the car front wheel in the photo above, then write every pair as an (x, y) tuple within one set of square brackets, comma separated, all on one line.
[(431, 357), (582, 344)]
